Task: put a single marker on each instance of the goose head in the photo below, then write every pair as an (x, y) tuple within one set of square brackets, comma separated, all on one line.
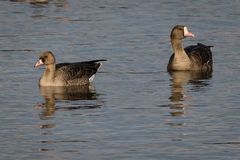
[(46, 58), (180, 32)]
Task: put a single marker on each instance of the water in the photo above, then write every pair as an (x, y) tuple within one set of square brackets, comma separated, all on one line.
[(135, 109)]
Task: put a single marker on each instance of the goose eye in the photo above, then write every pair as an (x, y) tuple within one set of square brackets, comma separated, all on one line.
[(42, 59)]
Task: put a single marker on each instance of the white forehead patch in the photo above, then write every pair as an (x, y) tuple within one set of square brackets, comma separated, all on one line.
[(185, 30), (40, 61)]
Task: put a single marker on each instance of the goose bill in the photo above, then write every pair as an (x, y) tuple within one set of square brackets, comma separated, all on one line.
[(187, 33), (38, 63)]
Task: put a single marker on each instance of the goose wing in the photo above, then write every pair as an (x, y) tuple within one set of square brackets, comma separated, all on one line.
[(78, 70), (199, 54)]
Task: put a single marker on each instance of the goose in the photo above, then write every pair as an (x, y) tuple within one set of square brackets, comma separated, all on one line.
[(66, 74), (192, 58)]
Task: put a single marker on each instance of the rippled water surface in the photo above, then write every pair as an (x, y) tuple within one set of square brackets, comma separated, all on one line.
[(135, 109)]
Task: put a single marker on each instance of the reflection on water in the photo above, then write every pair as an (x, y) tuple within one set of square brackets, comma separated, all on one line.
[(40, 3), (54, 94), (32, 1), (63, 99), (180, 80)]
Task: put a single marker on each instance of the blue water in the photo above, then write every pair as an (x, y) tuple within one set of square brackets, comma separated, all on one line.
[(135, 109)]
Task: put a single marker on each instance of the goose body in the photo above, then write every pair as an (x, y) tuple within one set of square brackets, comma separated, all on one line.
[(66, 74), (192, 58)]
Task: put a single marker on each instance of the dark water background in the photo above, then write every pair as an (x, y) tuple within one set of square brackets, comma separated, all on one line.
[(136, 109)]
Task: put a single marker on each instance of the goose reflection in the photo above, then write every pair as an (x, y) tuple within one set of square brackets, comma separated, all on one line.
[(179, 93), (72, 93), (32, 1)]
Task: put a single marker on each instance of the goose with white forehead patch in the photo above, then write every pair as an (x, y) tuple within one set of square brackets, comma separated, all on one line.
[(192, 58), (66, 74)]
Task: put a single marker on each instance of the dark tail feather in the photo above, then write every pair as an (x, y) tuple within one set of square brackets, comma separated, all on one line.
[(200, 44), (95, 65), (98, 60)]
